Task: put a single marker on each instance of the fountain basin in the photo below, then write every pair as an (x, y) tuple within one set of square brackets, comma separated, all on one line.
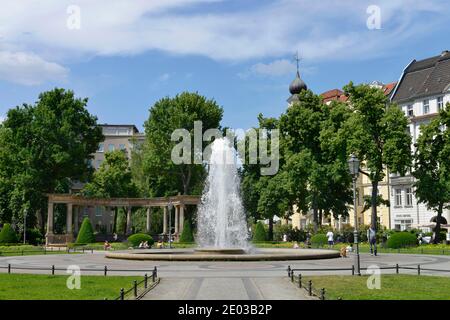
[(219, 251), (192, 255)]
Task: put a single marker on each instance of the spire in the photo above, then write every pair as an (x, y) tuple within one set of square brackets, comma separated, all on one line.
[(298, 84)]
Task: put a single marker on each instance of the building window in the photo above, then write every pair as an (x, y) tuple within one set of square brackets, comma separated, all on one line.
[(440, 103), (111, 147), (426, 106), (410, 111), (402, 225), (98, 212), (101, 147), (398, 197), (409, 197), (122, 146)]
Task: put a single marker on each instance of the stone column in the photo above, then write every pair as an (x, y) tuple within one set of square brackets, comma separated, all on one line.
[(49, 234), (76, 211), (128, 221), (69, 232), (165, 220), (149, 212), (177, 211), (181, 218)]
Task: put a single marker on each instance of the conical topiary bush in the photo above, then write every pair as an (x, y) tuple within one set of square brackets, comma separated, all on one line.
[(187, 235), (86, 233), (259, 233), (8, 235)]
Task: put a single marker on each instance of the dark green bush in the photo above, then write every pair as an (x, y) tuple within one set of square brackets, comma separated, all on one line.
[(8, 235), (401, 240), (187, 235), (319, 240), (86, 233), (135, 239), (259, 233), (35, 237)]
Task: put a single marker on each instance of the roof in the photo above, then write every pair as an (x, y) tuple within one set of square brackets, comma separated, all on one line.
[(135, 129), (334, 94), (423, 78)]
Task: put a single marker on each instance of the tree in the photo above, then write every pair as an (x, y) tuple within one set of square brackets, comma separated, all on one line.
[(86, 234), (8, 235), (112, 180), (432, 166), (164, 177), (43, 148), (315, 155), (187, 235), (260, 232), (377, 134)]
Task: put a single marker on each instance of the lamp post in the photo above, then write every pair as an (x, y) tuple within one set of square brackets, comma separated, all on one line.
[(353, 164), (25, 226), (170, 206)]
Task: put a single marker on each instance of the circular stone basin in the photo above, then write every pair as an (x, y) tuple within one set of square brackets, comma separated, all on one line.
[(219, 251), (194, 255)]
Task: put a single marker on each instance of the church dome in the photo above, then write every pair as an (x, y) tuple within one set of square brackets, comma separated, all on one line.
[(297, 85)]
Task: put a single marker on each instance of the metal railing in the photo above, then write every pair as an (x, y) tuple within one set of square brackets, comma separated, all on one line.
[(139, 288)]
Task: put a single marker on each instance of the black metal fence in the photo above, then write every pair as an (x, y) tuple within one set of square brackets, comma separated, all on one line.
[(139, 288)]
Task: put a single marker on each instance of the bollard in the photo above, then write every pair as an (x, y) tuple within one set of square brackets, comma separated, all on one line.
[(22, 252), (396, 268), (135, 288), (45, 250), (310, 287), (353, 270), (292, 276), (122, 294), (145, 281), (153, 276), (289, 270), (418, 270), (156, 272), (322, 294), (83, 250), (106, 271), (9, 268), (53, 270), (299, 280)]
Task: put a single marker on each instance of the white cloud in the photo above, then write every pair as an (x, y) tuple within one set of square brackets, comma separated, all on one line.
[(275, 68), (164, 77), (321, 30), (28, 68)]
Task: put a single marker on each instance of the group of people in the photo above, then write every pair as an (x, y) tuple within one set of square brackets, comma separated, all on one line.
[(144, 245)]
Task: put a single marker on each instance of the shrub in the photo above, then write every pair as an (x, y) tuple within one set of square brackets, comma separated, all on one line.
[(35, 237), (187, 235), (135, 239), (86, 233), (319, 240), (401, 240), (259, 233), (8, 235)]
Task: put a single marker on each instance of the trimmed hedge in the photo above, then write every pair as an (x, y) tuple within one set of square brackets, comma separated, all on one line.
[(401, 240), (319, 240), (8, 235), (259, 233), (135, 239), (86, 233), (186, 236)]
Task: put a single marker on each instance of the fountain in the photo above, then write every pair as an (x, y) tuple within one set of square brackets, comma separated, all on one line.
[(222, 233), (222, 226)]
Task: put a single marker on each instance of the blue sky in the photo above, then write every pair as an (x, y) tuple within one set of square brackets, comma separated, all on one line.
[(126, 55)]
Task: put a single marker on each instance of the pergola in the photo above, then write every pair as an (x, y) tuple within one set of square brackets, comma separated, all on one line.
[(75, 202)]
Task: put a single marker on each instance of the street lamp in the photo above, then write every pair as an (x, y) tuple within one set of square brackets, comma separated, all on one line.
[(353, 165), (170, 206), (25, 226)]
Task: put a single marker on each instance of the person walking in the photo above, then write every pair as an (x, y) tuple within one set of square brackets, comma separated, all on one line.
[(372, 238), (330, 236)]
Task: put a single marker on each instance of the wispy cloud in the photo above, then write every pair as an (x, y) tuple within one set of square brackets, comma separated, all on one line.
[(321, 30)]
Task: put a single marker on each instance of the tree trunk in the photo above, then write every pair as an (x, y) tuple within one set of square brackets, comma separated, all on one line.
[(115, 220), (315, 213), (373, 222), (270, 235), (437, 229), (320, 217)]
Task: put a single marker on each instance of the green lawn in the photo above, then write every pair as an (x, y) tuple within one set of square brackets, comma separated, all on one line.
[(393, 287), (47, 287)]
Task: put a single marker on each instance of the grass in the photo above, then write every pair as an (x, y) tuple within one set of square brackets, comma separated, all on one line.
[(47, 287), (393, 287), (26, 250)]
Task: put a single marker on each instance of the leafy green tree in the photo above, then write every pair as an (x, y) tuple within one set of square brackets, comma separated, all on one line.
[(43, 148), (8, 235), (377, 134), (112, 180), (163, 177), (260, 233), (187, 235), (432, 166), (86, 233)]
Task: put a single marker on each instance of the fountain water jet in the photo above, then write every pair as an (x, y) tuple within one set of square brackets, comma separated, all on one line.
[(222, 225)]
